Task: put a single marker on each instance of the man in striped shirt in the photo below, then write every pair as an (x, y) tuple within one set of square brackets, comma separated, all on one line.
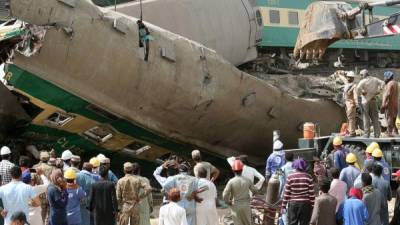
[(299, 194)]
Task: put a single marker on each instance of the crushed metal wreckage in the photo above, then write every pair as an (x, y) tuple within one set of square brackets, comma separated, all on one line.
[(22, 37)]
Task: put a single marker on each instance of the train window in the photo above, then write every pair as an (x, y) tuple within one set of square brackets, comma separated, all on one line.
[(293, 18), (274, 16)]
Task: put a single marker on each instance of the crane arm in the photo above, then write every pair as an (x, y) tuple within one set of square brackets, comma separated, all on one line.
[(328, 22), (386, 27)]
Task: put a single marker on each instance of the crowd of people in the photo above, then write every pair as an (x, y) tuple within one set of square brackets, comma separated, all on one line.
[(339, 192), (363, 95), (65, 191)]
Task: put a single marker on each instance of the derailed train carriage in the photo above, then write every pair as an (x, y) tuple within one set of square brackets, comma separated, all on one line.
[(282, 19)]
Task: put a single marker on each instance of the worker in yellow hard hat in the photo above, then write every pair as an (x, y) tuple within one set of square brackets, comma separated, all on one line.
[(350, 173), (368, 151), (96, 164), (377, 154), (338, 154), (75, 195)]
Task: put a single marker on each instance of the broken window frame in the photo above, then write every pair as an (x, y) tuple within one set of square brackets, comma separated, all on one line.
[(142, 147), (59, 123), (91, 134), (30, 108)]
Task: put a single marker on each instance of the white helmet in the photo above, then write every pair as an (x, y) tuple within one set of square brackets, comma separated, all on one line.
[(278, 145), (364, 72), (101, 157), (5, 150), (66, 155), (350, 74)]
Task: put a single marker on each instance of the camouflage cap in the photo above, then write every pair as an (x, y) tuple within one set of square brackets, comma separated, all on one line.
[(128, 166), (76, 158), (52, 161), (44, 155)]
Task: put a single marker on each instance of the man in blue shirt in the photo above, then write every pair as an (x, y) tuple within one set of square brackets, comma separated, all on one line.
[(275, 161), (339, 154), (75, 196), (286, 170), (378, 159), (350, 173), (384, 187), (188, 186), (16, 196), (353, 211), (86, 180)]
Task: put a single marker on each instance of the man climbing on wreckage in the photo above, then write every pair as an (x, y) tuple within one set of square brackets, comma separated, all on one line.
[(144, 38), (350, 99)]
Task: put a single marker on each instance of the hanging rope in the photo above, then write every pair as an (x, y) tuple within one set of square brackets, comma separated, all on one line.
[(141, 11)]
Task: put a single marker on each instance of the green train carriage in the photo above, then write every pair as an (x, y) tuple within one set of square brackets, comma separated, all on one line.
[(282, 18)]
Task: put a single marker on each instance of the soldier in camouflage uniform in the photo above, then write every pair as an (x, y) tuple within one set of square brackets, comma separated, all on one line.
[(146, 205), (129, 195), (47, 169)]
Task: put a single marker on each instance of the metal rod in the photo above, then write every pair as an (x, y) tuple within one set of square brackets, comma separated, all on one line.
[(141, 11), (115, 5), (386, 3)]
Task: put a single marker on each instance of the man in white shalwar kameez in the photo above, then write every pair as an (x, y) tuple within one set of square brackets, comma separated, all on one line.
[(172, 213), (206, 211)]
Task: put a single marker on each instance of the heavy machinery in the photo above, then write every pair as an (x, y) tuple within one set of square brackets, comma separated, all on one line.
[(320, 147), (328, 22)]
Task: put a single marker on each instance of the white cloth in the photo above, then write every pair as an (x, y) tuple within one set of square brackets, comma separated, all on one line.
[(206, 211), (371, 86), (250, 173), (16, 197), (172, 214), (157, 174), (160, 179)]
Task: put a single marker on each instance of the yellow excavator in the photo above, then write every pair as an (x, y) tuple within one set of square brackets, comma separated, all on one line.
[(328, 22)]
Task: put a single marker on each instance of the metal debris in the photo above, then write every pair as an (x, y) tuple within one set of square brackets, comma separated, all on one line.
[(22, 37)]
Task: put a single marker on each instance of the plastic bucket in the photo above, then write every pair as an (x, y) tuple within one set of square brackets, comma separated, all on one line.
[(308, 130)]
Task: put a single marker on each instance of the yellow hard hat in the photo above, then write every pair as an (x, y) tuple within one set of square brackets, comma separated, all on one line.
[(95, 162), (351, 158), (374, 144), (377, 153), (337, 141), (70, 174), (369, 149)]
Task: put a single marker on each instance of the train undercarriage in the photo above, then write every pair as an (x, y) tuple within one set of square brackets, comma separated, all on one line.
[(281, 61)]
